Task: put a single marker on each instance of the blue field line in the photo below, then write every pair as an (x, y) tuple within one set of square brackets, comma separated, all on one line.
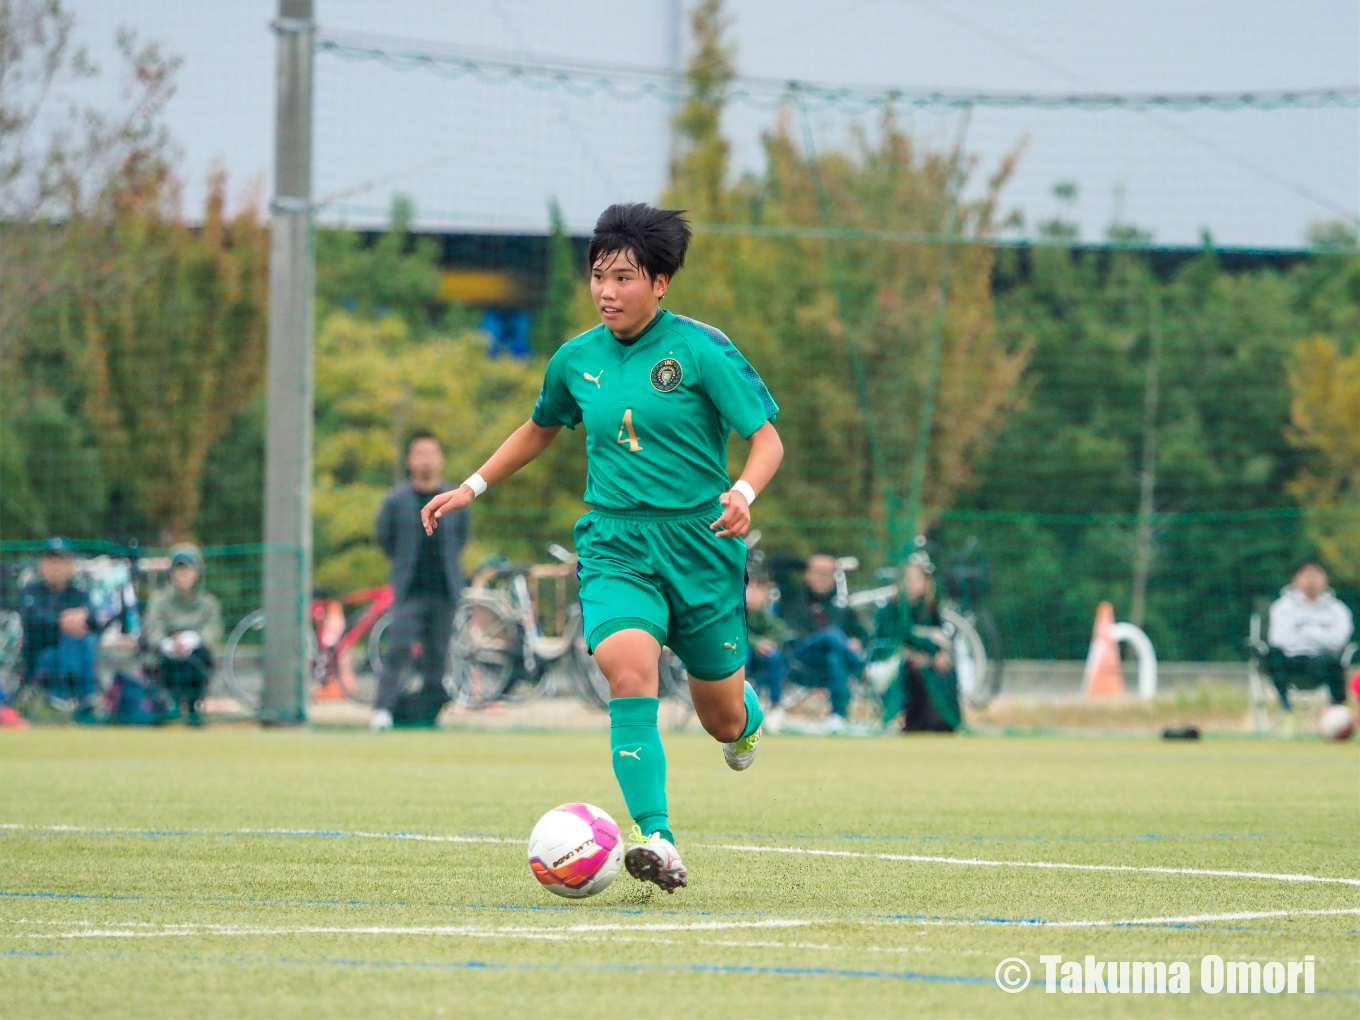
[(536, 908), (628, 968), (635, 968)]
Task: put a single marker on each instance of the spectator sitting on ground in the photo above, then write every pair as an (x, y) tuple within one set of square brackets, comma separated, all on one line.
[(926, 684), (829, 637), (765, 663), (59, 648), (1309, 628), (183, 631)]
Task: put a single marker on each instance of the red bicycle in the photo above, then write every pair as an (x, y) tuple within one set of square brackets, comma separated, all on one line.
[(345, 647)]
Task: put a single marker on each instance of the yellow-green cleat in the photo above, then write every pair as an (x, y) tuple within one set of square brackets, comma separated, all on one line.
[(740, 753), (654, 859)]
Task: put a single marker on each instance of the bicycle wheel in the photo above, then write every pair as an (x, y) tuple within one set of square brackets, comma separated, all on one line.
[(376, 647), (991, 640), (591, 684), (11, 651), (485, 651), (970, 657), (674, 679), (242, 670)]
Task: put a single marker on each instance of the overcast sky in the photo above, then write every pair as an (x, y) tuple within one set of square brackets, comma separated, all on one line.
[(488, 156)]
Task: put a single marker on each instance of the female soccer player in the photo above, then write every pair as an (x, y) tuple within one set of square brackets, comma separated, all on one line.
[(661, 556)]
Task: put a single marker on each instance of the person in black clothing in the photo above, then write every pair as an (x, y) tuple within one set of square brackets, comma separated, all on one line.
[(426, 579), (829, 638)]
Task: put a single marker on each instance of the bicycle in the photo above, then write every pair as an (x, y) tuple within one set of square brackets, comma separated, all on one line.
[(498, 651), (501, 650), (332, 671)]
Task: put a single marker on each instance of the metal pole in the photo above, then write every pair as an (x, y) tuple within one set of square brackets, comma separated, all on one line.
[(674, 14), (1147, 482), (288, 471), (952, 186)]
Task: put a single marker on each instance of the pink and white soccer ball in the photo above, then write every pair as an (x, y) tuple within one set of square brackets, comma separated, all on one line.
[(1336, 723), (575, 850)]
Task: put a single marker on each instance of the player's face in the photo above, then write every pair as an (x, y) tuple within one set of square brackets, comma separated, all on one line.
[(624, 295)]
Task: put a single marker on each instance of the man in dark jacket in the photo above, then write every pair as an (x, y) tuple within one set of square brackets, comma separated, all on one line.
[(829, 638), (426, 577), (58, 622)]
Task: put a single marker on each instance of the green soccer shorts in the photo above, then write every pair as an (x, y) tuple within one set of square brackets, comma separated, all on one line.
[(666, 572)]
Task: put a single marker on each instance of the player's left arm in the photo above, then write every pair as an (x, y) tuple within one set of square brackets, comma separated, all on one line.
[(767, 452)]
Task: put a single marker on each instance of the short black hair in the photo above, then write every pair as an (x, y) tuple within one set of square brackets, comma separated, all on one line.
[(656, 238), (1309, 561), (420, 434)]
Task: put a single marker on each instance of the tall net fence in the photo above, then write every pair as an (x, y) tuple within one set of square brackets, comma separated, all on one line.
[(1097, 346)]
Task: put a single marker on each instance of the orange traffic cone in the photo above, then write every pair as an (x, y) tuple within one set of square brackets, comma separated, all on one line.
[(1104, 676)]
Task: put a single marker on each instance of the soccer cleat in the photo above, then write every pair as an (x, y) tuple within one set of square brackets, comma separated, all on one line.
[(380, 720), (654, 859), (740, 753)]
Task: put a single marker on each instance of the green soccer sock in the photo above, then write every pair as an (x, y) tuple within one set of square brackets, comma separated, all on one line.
[(755, 715), (640, 762)]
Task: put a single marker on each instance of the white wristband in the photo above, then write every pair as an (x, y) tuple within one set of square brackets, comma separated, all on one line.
[(477, 484), (744, 487)]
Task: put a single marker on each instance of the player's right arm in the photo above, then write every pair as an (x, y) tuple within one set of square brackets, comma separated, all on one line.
[(556, 407), (522, 446)]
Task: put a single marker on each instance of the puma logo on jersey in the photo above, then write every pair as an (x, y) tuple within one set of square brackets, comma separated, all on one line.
[(631, 754), (729, 644), (593, 378)]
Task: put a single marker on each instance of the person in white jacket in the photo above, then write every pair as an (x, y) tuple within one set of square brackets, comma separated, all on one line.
[(1309, 629)]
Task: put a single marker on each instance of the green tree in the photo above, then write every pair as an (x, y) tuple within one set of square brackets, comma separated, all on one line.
[(1075, 448), (553, 323), (842, 330), (166, 329), (376, 381), (395, 275), (1325, 419)]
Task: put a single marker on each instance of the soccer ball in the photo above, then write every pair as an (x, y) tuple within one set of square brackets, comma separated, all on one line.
[(1336, 723), (575, 850)]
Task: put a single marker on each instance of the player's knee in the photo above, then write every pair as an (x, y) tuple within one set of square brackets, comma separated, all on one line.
[(724, 729), (632, 682)]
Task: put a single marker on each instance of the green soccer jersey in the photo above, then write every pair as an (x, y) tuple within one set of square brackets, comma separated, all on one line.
[(657, 411)]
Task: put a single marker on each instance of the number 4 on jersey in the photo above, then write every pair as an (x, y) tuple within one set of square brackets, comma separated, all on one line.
[(626, 433)]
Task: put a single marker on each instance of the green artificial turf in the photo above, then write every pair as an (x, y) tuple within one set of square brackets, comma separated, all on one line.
[(171, 896)]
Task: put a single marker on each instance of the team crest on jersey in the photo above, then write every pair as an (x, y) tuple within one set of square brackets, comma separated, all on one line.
[(666, 375)]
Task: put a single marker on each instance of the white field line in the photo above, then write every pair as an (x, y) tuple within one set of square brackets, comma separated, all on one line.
[(978, 862), (801, 851), (414, 836), (619, 932), (1246, 915), (144, 930)]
